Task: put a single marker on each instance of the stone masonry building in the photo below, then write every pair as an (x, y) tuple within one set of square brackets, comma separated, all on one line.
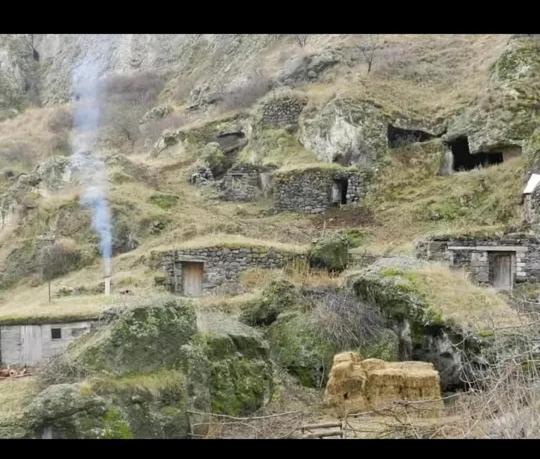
[(197, 271), (246, 182), (314, 189), (500, 262)]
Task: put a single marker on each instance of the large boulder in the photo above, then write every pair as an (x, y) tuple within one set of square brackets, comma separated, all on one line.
[(142, 372), (279, 296), (345, 131), (240, 378), (330, 252), (438, 314)]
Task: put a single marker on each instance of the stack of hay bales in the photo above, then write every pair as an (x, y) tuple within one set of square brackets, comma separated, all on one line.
[(357, 385)]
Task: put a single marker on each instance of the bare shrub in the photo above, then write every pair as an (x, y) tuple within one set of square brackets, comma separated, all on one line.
[(347, 323), (504, 396), (125, 100), (368, 46), (140, 87)]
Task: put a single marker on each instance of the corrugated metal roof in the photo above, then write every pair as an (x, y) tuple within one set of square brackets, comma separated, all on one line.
[(533, 182)]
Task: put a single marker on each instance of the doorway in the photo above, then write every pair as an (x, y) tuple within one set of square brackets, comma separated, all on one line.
[(339, 191), (192, 273), (502, 270)]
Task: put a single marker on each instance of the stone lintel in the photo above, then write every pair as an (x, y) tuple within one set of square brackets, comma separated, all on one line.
[(491, 248)]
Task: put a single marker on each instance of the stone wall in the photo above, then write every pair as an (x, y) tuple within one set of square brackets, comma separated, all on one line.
[(31, 344), (476, 255), (243, 183), (282, 110), (310, 190), (222, 265)]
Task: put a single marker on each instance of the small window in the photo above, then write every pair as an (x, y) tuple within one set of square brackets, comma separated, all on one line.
[(56, 333)]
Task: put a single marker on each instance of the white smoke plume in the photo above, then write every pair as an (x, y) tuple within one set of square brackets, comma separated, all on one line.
[(92, 170)]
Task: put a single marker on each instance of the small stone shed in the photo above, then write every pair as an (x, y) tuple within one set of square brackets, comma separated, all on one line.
[(217, 267), (31, 344), (316, 188), (283, 109), (246, 182), (500, 262)]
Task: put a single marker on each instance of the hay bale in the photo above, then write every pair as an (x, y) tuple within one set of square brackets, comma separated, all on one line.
[(372, 384)]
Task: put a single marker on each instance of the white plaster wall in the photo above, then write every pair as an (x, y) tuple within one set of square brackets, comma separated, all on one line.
[(31, 344)]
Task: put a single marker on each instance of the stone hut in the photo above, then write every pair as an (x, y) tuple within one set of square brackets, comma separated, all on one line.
[(246, 182), (500, 262), (30, 344), (316, 188), (217, 267), (282, 110)]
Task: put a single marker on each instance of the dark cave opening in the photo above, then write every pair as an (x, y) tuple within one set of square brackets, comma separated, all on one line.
[(398, 137), (464, 161)]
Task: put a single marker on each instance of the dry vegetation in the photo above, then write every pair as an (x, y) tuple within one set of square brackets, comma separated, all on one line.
[(33, 136), (458, 299), (408, 191)]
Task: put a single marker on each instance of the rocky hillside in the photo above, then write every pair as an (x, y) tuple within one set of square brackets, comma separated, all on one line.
[(209, 142)]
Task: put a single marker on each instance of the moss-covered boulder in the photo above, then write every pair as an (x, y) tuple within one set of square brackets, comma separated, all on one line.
[(439, 314), (240, 371), (143, 339), (277, 297), (330, 252), (297, 345), (66, 411)]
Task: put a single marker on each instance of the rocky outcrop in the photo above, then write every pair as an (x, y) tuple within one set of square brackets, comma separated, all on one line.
[(357, 385), (18, 79), (240, 379), (137, 376), (345, 131), (507, 114)]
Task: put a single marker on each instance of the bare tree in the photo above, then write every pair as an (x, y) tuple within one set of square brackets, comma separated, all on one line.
[(301, 39), (368, 47)]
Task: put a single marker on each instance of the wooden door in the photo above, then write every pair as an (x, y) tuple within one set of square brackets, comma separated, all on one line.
[(193, 276), (502, 271), (31, 344)]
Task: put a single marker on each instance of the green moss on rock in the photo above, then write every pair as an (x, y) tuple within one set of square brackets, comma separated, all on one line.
[(277, 297), (240, 378), (297, 346), (145, 338), (330, 252)]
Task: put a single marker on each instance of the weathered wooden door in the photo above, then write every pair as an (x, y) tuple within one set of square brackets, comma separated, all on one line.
[(193, 276), (502, 271), (31, 344)]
